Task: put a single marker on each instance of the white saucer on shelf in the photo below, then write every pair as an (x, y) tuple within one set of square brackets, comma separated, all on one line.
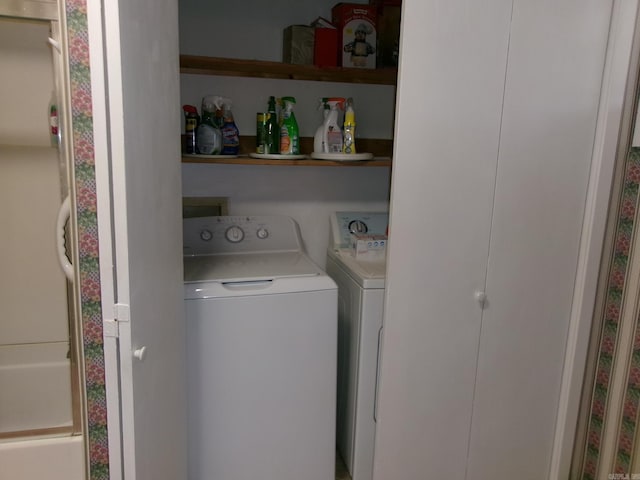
[(199, 155), (276, 156), (342, 157)]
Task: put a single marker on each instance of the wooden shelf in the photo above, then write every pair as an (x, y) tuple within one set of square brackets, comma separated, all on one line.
[(246, 160), (381, 150), (261, 69)]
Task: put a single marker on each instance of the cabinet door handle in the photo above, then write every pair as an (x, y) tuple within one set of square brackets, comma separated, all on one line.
[(480, 297), (140, 353)]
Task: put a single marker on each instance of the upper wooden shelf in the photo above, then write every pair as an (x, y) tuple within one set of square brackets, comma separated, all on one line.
[(261, 69), (308, 162)]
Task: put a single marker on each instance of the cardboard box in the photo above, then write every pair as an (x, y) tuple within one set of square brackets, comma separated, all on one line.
[(356, 24), (383, 3), (297, 44), (388, 26), (325, 47), (369, 247)]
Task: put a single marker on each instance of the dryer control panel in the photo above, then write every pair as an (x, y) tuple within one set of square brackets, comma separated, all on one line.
[(240, 234), (343, 224)]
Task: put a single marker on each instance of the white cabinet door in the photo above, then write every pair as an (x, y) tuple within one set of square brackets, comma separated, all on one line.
[(137, 135), (552, 90), (449, 103), (495, 121)]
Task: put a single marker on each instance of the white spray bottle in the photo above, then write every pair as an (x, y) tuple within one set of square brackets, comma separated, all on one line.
[(331, 131), (318, 138)]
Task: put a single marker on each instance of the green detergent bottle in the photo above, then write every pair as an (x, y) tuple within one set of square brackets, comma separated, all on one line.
[(289, 137)]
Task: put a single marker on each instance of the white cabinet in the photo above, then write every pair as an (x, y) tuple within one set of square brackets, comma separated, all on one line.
[(495, 122)]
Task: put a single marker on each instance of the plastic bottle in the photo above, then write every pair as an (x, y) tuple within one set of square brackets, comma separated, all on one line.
[(230, 132), (318, 138), (190, 126), (349, 132), (273, 132), (54, 124), (289, 137), (208, 135), (331, 131)]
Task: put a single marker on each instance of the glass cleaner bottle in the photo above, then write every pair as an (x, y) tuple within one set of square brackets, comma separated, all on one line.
[(208, 135), (289, 137)]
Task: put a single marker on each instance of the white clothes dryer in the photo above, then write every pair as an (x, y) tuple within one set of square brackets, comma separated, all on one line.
[(360, 309), (262, 352)]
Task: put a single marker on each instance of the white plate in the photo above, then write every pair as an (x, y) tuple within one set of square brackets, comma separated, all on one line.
[(276, 156), (342, 157), (198, 155)]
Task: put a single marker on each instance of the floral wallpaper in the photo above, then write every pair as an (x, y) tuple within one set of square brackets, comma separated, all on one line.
[(609, 342), (86, 211)]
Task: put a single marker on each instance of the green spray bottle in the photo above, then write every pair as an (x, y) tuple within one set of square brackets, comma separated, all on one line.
[(289, 136)]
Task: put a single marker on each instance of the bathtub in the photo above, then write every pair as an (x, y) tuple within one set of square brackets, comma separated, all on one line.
[(59, 458), (35, 387), (36, 418)]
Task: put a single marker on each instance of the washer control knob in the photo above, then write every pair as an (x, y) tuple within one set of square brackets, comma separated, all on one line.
[(234, 234), (358, 226), (262, 233), (206, 235)]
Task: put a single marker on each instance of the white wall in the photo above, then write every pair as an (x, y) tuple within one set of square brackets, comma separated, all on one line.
[(252, 29), (308, 194)]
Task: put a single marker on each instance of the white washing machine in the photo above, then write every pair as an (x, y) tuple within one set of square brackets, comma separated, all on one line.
[(360, 309), (262, 352)]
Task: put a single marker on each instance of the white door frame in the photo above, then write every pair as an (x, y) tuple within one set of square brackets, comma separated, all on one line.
[(610, 118)]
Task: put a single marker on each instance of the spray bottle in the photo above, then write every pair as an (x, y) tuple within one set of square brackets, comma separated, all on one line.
[(289, 136), (349, 144), (208, 135), (331, 132), (318, 138), (230, 132)]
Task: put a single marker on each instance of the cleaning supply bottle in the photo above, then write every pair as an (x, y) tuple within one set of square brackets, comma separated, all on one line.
[(208, 135), (54, 124), (230, 132), (190, 126), (318, 138), (331, 131), (349, 132), (273, 132), (289, 137)]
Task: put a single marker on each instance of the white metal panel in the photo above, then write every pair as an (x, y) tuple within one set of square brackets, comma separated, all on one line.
[(359, 324), (262, 386), (551, 103), (450, 89)]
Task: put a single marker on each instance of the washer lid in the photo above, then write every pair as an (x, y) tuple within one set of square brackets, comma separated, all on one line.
[(248, 267), (366, 274)]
